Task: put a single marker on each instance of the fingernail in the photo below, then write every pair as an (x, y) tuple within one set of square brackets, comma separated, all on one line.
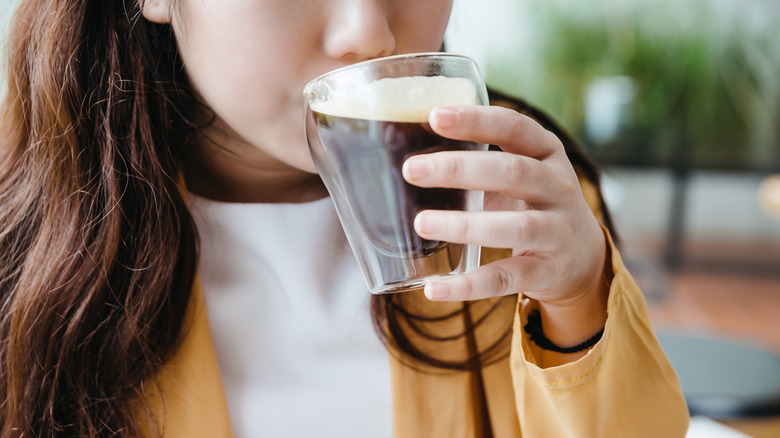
[(436, 291), (419, 168), (430, 223), (445, 118)]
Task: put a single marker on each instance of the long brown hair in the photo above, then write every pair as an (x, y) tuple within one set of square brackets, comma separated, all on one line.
[(97, 248)]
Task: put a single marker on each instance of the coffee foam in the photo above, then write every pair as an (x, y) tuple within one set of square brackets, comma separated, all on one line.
[(407, 99)]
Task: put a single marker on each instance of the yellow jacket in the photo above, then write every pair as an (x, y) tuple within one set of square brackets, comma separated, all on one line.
[(624, 387)]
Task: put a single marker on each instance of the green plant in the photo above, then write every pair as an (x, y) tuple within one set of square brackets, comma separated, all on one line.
[(705, 72)]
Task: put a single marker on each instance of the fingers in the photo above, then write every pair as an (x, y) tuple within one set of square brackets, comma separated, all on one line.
[(533, 180), (523, 171), (506, 128), (503, 277), (497, 229), (516, 176)]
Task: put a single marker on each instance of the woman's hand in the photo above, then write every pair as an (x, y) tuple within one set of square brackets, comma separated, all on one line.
[(533, 204)]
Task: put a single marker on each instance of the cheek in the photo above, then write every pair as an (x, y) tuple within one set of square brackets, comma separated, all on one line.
[(239, 62), (239, 90)]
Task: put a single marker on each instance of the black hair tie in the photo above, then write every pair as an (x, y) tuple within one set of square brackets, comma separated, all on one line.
[(534, 329)]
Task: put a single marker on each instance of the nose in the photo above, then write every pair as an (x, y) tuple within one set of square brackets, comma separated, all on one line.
[(359, 30)]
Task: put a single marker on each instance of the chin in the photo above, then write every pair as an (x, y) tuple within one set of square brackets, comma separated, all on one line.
[(306, 163)]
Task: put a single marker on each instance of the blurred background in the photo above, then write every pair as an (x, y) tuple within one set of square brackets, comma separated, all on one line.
[(679, 103)]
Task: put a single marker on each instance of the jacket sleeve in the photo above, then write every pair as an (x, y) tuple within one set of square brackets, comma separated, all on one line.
[(625, 386)]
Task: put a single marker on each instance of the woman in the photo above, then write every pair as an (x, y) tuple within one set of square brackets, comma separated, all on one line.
[(118, 111)]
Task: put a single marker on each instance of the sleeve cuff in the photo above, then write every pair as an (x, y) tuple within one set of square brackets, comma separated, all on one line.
[(570, 376)]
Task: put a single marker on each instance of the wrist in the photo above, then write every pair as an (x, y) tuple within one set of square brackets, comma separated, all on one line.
[(573, 321), (535, 331)]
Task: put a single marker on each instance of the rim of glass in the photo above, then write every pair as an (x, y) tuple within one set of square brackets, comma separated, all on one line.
[(388, 58)]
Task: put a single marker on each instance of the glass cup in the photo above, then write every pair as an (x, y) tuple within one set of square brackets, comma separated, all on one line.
[(362, 122)]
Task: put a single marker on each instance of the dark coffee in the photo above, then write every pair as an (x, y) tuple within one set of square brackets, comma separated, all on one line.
[(368, 155)]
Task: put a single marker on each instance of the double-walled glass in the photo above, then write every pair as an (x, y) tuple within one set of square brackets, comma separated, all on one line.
[(363, 121)]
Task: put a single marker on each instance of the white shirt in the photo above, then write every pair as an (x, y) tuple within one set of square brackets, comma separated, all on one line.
[(289, 314)]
